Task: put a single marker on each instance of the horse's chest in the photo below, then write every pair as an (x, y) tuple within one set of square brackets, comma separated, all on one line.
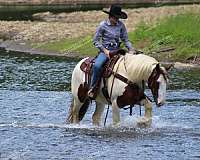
[(132, 95)]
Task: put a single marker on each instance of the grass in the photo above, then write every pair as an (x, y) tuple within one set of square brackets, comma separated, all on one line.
[(181, 32), (82, 45)]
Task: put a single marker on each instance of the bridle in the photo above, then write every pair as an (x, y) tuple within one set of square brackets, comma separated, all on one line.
[(153, 83), (152, 80)]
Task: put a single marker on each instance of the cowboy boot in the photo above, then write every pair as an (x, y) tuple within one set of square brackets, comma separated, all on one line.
[(92, 93)]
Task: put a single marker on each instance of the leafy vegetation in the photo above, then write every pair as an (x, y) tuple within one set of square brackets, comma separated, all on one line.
[(82, 46), (181, 32)]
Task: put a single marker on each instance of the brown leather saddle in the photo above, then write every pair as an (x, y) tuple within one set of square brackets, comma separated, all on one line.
[(107, 70), (86, 66)]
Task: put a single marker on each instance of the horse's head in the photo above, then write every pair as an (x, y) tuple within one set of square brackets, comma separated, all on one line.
[(157, 82)]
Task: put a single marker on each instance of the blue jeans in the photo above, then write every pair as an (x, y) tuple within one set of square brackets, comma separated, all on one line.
[(97, 68)]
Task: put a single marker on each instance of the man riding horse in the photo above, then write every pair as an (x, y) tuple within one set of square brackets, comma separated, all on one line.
[(107, 39)]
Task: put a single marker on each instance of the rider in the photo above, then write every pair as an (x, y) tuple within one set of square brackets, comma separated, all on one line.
[(107, 38)]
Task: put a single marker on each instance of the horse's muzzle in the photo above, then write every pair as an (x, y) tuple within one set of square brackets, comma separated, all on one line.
[(159, 104)]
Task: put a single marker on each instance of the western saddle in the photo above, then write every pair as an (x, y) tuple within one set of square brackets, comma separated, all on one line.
[(107, 70)]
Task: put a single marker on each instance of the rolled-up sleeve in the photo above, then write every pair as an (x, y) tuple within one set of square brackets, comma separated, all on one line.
[(97, 37), (124, 37)]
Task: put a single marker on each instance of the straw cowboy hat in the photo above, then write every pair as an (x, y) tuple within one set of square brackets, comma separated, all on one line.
[(116, 12)]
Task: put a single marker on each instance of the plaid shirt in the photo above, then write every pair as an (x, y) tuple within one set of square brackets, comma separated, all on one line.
[(108, 36)]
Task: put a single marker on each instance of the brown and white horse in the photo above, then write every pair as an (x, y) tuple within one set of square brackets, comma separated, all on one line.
[(136, 69)]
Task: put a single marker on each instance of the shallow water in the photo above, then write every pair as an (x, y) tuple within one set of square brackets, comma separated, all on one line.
[(34, 100), (26, 12)]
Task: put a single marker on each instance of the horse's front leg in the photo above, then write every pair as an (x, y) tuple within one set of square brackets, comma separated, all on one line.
[(148, 108), (147, 119), (96, 118), (115, 113)]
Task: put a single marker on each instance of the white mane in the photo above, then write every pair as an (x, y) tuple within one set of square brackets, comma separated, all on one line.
[(139, 67)]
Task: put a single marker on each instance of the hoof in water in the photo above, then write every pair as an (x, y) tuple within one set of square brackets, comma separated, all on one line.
[(144, 122)]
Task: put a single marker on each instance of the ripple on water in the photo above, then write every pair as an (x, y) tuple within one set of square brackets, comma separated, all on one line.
[(33, 109)]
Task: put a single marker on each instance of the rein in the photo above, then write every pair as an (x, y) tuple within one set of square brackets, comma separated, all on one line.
[(111, 94), (154, 77)]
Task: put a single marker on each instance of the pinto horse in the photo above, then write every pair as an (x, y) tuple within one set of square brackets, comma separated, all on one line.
[(135, 69)]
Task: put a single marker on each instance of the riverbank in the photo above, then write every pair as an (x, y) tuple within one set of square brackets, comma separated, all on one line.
[(61, 34), (22, 48)]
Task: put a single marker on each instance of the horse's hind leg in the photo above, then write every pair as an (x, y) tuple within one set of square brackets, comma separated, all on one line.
[(73, 115), (83, 109), (96, 118)]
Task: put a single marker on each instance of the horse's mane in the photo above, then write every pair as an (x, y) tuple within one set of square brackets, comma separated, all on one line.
[(139, 67)]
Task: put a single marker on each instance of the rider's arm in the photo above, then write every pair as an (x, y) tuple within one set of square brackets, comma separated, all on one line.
[(97, 40), (124, 38), (107, 52), (97, 37)]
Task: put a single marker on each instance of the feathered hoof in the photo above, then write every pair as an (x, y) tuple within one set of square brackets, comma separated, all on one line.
[(69, 119), (144, 122), (116, 125)]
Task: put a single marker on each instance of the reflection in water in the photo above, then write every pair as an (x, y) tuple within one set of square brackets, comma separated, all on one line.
[(35, 73), (38, 73), (185, 79)]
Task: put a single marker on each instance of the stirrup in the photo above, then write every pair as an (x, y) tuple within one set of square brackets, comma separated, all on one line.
[(92, 93)]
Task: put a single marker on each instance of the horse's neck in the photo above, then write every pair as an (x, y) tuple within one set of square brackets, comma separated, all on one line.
[(139, 67), (120, 68)]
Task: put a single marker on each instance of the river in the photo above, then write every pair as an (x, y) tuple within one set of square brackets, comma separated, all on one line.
[(34, 100)]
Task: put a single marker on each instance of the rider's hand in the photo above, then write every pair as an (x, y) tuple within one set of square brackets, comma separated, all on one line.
[(107, 52), (132, 51)]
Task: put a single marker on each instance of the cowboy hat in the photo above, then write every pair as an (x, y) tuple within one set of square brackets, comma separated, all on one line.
[(116, 12)]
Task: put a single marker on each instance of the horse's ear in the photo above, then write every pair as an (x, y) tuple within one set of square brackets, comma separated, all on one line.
[(168, 67), (158, 67)]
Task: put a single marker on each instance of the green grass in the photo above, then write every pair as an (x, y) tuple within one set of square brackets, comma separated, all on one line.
[(82, 46), (181, 32)]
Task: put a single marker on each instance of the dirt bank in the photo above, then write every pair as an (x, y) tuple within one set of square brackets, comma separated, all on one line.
[(70, 25)]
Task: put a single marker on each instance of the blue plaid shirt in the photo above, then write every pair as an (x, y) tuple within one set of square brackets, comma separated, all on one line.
[(108, 36)]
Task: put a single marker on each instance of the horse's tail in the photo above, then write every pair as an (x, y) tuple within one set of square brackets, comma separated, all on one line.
[(82, 111), (70, 113)]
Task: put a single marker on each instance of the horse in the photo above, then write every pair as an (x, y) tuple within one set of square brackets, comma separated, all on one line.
[(135, 70)]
